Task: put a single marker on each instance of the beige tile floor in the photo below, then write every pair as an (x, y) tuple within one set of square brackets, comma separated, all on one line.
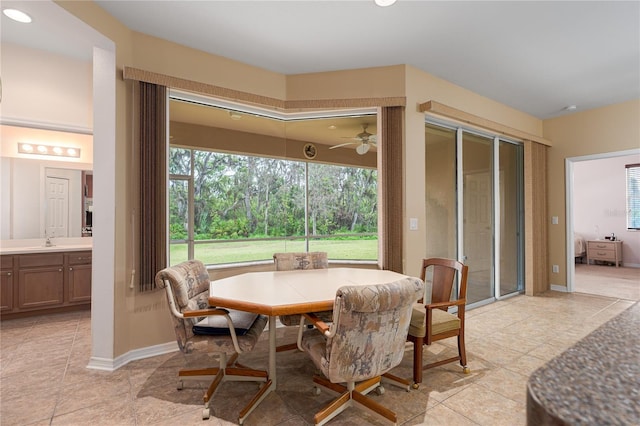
[(44, 379), (607, 280)]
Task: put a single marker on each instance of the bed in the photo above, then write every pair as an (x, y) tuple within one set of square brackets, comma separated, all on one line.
[(579, 247)]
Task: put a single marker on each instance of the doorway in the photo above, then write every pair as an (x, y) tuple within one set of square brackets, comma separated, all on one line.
[(597, 227)]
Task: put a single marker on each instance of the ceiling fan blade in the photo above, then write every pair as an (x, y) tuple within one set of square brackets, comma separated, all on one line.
[(363, 149), (343, 144)]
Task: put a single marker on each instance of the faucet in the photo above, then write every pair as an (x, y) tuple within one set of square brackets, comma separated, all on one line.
[(48, 242)]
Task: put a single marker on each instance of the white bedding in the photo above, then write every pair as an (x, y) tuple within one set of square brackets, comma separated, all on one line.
[(579, 245)]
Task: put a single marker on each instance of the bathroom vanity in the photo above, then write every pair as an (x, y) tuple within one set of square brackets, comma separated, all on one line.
[(40, 279)]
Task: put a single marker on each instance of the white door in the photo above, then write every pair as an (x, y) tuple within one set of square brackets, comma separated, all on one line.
[(57, 218), (478, 231)]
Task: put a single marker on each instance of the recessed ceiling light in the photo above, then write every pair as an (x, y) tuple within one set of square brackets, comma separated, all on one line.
[(385, 3), (17, 15)]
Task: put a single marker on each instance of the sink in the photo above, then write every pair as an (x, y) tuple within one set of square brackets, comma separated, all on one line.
[(44, 249)]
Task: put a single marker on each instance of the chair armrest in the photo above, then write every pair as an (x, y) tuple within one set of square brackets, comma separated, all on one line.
[(440, 305), (317, 322), (322, 326), (217, 312), (205, 312)]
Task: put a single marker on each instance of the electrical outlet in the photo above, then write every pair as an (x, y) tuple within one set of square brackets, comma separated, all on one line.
[(413, 224), (555, 269)]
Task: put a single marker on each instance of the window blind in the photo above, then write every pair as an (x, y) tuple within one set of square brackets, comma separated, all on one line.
[(391, 184), (633, 196), (153, 183)]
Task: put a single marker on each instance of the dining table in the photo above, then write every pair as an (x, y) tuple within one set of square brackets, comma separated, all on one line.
[(275, 293)]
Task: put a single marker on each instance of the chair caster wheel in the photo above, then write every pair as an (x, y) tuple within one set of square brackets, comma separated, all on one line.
[(316, 391), (415, 385), (180, 385), (206, 414), (380, 390), (466, 370)]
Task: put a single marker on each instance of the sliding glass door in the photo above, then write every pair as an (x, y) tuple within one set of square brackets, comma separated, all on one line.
[(474, 207), (477, 215), (510, 217), (441, 202)]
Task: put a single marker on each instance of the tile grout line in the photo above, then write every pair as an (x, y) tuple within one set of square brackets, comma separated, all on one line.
[(66, 368)]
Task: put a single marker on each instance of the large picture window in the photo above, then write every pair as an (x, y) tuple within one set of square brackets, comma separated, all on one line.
[(227, 208)]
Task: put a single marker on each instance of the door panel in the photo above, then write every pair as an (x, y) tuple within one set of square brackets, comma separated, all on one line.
[(57, 207), (477, 230)]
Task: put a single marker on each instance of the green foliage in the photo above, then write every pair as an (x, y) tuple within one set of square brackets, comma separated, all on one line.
[(237, 197)]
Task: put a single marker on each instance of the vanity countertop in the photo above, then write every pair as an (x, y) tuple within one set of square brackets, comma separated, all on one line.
[(595, 382), (8, 247)]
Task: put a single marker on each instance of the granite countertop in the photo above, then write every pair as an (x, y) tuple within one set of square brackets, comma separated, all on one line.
[(27, 246), (595, 382)]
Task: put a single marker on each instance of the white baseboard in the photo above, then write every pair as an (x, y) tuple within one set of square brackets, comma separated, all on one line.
[(106, 364), (556, 287)]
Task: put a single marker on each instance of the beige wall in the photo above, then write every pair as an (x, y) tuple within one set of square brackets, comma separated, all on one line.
[(141, 319), (603, 130), (378, 82), (58, 98), (422, 87)]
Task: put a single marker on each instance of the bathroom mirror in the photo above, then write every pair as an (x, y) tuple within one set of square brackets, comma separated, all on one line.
[(23, 179), (42, 198)]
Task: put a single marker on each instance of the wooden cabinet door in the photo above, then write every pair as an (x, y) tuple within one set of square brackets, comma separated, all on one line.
[(40, 287), (79, 283), (6, 291)]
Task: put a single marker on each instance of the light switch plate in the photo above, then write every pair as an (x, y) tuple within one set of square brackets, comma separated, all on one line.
[(413, 224)]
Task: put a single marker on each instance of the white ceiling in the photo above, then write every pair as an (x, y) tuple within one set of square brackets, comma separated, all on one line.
[(537, 57)]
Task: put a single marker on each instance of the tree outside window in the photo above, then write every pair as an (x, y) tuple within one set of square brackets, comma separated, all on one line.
[(245, 208)]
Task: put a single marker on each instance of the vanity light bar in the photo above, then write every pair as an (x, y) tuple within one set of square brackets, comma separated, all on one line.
[(56, 151)]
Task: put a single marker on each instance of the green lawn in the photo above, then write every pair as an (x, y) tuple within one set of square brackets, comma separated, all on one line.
[(245, 251)]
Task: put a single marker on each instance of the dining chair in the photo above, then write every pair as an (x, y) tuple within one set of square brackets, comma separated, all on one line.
[(431, 320), (207, 329), (365, 340), (298, 261)]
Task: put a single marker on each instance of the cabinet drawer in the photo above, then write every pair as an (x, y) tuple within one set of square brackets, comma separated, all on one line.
[(601, 246), (6, 262), (79, 258), (35, 260), (603, 255)]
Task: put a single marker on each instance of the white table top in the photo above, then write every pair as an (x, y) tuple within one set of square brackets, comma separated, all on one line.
[(291, 292)]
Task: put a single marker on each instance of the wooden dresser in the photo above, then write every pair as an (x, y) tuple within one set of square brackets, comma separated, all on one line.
[(604, 250)]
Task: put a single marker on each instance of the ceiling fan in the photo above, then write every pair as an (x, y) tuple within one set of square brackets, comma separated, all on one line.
[(364, 140)]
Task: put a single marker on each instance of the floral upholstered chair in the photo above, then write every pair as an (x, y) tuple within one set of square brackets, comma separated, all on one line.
[(366, 339), (203, 328), (298, 261)]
